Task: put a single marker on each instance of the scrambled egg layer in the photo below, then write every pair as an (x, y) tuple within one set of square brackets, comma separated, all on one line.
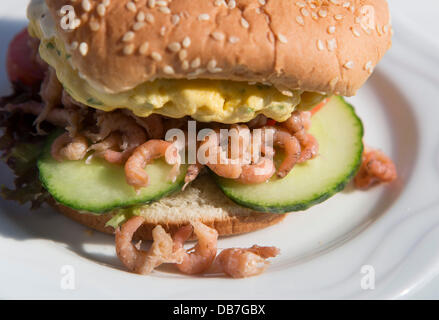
[(203, 100)]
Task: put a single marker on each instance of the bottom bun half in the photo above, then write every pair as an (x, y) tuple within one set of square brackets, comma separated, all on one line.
[(202, 200)]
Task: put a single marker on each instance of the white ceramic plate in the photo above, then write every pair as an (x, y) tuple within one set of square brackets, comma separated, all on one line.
[(393, 229)]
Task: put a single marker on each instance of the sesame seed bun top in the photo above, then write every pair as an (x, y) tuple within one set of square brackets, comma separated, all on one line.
[(327, 46)]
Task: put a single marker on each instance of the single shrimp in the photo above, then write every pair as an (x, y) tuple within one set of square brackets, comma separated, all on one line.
[(257, 173), (225, 167), (289, 143), (375, 168), (298, 124), (310, 150), (242, 263), (135, 173), (144, 262), (66, 147), (201, 257)]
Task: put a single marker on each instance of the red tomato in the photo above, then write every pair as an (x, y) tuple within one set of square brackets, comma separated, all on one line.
[(21, 64)]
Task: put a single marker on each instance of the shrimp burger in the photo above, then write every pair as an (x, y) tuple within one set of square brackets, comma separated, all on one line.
[(104, 88)]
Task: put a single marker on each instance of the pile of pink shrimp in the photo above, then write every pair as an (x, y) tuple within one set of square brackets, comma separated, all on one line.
[(122, 138), (375, 168), (202, 258)]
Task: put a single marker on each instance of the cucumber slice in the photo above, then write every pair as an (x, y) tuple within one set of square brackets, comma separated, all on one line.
[(339, 132), (100, 187)]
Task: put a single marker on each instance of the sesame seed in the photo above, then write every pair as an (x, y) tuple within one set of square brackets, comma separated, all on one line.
[(244, 23), (161, 3), (175, 19), (165, 10), (323, 13), (149, 17), (349, 65), (314, 15), (94, 25), (129, 49), (355, 32), (203, 17), (211, 65), (196, 63), (300, 4), (197, 72), (320, 45), (262, 2), (106, 3), (182, 55), (336, 2), (218, 35), (332, 44), (129, 36), (156, 56), (163, 31), (76, 23), (174, 46), (287, 93), (86, 5), (219, 3), (346, 5), (144, 48), (74, 45), (186, 42), (168, 70), (338, 17), (138, 25), (304, 12), (369, 67), (185, 65), (232, 4), (282, 38), (233, 39), (101, 9), (140, 16), (131, 6), (83, 48), (151, 3), (331, 29), (300, 20)]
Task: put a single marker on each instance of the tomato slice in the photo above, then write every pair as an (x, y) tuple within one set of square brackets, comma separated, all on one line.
[(21, 64)]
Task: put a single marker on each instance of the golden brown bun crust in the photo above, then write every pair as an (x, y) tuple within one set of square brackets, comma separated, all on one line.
[(317, 45), (202, 200)]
